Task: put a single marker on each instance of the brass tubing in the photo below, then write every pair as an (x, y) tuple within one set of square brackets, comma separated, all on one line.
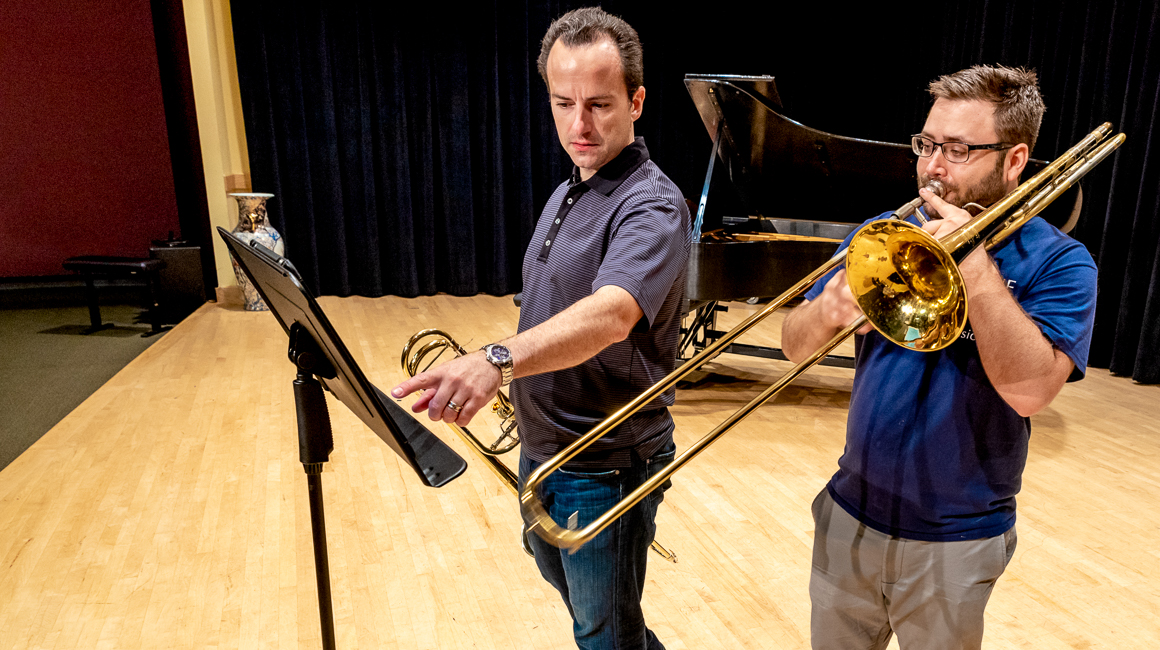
[(503, 406), (1070, 177), (959, 243), (963, 240)]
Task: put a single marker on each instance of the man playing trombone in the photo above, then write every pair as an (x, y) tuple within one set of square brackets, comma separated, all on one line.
[(604, 277), (918, 523)]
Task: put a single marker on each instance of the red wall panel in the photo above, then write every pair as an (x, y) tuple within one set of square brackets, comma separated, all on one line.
[(84, 158)]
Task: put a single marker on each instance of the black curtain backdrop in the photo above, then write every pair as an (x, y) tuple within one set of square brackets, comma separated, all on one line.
[(412, 155)]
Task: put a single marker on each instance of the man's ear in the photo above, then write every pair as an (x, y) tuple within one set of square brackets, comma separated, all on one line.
[(637, 103), (1017, 160)]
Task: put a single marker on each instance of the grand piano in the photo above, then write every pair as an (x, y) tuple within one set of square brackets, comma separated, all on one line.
[(803, 191)]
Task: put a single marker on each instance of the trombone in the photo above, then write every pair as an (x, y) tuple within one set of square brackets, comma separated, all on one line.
[(439, 340), (924, 311)]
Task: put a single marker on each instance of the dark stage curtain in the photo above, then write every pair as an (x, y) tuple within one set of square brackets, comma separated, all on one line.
[(1098, 61), (411, 155), (404, 161)]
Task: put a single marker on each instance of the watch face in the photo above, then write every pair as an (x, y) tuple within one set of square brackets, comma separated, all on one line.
[(500, 354)]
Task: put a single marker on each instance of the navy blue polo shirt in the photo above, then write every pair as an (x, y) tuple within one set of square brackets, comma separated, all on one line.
[(933, 452), (626, 226)]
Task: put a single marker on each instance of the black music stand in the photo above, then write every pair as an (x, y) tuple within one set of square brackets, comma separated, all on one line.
[(319, 354)]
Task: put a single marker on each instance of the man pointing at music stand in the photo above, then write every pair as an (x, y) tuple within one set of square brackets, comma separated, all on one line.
[(604, 278)]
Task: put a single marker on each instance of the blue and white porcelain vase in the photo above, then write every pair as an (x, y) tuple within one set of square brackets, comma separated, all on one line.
[(253, 226)]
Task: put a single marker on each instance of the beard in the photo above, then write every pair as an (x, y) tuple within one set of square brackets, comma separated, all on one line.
[(986, 192)]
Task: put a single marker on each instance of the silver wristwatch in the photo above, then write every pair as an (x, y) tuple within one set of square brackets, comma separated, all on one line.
[(501, 358)]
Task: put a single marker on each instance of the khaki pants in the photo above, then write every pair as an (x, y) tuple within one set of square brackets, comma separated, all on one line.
[(866, 585)]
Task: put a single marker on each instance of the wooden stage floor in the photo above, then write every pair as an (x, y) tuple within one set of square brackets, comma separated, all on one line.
[(169, 510)]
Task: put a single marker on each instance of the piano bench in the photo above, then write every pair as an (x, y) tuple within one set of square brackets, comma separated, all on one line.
[(91, 265)]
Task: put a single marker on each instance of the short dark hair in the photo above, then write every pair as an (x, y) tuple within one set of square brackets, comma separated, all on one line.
[(1014, 92), (589, 25)]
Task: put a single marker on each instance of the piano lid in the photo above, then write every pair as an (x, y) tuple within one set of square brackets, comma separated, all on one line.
[(785, 170)]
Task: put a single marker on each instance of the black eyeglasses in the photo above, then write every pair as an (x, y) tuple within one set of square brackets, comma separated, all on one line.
[(956, 152)]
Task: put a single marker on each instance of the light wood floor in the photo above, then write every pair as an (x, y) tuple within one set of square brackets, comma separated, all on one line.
[(169, 510)]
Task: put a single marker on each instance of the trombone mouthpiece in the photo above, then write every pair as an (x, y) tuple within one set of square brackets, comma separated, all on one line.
[(936, 187)]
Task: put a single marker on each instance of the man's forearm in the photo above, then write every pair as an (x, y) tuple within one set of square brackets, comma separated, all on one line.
[(576, 334), (803, 331), (813, 323), (1021, 363)]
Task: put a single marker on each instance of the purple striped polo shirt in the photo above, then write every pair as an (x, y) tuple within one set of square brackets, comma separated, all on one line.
[(626, 226)]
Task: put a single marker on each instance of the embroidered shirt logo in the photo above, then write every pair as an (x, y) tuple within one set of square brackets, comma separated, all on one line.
[(968, 333)]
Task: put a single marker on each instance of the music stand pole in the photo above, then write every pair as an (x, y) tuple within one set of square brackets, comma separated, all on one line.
[(315, 442)]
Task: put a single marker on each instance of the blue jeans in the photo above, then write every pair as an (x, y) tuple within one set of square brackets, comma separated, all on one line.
[(602, 582)]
